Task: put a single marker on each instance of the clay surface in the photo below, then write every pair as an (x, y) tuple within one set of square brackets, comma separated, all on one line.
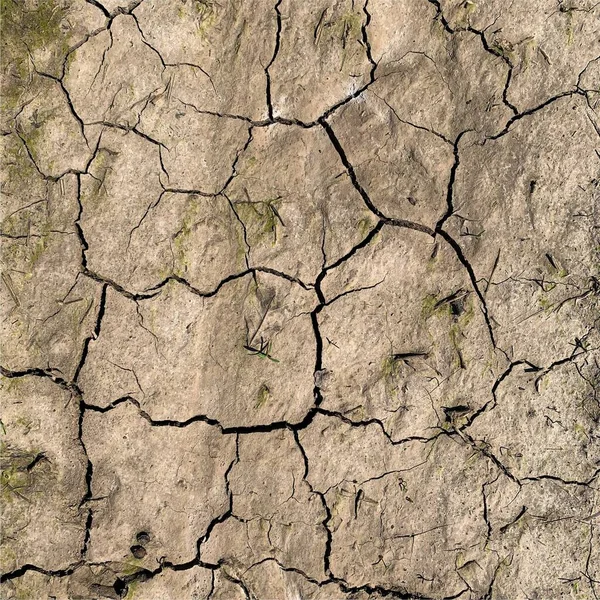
[(300, 300)]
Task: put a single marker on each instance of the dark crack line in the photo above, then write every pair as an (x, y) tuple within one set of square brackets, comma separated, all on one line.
[(134, 129), (362, 192), (49, 373), (519, 516), (486, 509), (463, 259), (557, 479), (393, 592), (225, 430), (579, 349), (351, 172), (151, 292), (494, 52), (223, 517), (105, 52), (314, 320), (490, 404), (489, 594), (118, 288), (380, 424), (353, 291), (277, 425), (483, 448), (100, 7), (89, 471), (440, 16), (367, 44), (153, 204), (363, 243), (532, 111), (239, 583), (146, 43), (95, 333), (30, 156), (505, 91), (419, 127), (288, 570), (122, 583), (271, 119), (273, 58), (481, 35), (450, 189), (236, 160), (491, 50), (48, 572), (588, 561), (318, 398), (144, 574), (244, 230), (67, 96), (72, 388), (79, 229), (154, 422), (34, 235), (88, 526), (328, 515)]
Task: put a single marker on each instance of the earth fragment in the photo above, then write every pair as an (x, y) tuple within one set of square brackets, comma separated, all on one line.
[(300, 300)]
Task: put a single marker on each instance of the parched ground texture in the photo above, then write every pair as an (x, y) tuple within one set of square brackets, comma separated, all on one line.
[(300, 300)]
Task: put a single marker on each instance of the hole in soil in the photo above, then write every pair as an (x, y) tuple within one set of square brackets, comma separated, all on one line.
[(456, 308), (142, 537), (120, 587), (138, 551)]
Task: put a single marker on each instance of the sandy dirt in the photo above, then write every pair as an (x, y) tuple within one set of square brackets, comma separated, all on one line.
[(300, 300)]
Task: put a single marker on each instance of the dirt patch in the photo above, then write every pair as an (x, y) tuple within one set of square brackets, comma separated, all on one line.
[(300, 300)]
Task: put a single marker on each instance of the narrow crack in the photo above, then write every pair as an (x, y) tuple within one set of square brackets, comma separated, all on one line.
[(89, 472), (67, 97), (273, 58), (123, 582), (367, 44), (100, 7), (328, 516), (381, 425), (491, 50), (575, 482), (463, 259), (362, 192), (516, 118), (48, 572), (450, 189), (490, 404), (440, 16)]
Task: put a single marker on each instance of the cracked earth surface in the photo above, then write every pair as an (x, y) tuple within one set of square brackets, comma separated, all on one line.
[(300, 300)]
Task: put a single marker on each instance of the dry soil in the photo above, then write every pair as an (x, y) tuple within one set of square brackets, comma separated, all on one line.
[(300, 299)]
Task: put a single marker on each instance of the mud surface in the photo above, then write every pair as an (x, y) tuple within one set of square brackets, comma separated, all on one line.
[(300, 300)]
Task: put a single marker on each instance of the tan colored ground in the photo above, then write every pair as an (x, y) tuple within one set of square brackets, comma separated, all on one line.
[(300, 300)]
